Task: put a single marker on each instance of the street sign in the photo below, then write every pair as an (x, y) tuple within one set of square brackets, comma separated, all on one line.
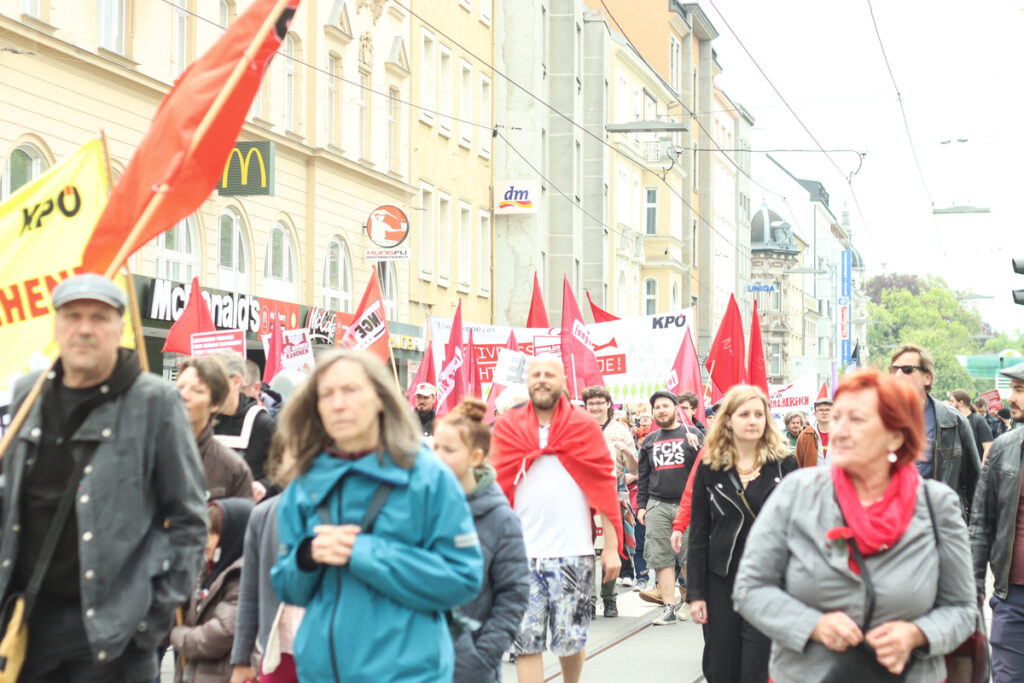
[(387, 226)]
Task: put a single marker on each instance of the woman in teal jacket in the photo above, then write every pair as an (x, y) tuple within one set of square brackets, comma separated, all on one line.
[(375, 597)]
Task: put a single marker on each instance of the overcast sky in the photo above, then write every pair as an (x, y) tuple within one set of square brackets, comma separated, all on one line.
[(959, 69)]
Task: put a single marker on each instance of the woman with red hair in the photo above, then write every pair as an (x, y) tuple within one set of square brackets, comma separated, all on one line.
[(862, 566)]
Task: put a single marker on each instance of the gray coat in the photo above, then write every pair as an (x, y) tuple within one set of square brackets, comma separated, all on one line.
[(144, 470), (994, 515), (505, 591), (788, 578), (257, 602)]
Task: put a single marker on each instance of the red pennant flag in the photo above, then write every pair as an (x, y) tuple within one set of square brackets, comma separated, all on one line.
[(369, 328), (195, 318), (497, 388), (451, 385), (725, 361), (474, 387), (538, 316), (182, 157), (823, 392), (685, 375), (275, 351), (424, 375), (600, 315), (757, 370), (581, 367)]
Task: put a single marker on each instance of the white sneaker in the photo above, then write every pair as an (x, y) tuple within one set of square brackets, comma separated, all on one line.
[(626, 581), (683, 612), (641, 583)]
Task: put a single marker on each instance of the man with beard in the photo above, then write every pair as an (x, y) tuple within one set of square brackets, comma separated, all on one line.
[(997, 538), (552, 463), (426, 402), (666, 457)]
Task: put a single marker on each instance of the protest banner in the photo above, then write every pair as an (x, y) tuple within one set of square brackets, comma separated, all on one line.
[(633, 353), (797, 395), (992, 398), (296, 352), (206, 343)]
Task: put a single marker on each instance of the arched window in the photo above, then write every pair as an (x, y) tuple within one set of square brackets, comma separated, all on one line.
[(227, 10), (232, 253), (675, 296), (621, 296), (24, 164), (279, 266), (337, 276), (388, 289), (176, 252), (650, 296)]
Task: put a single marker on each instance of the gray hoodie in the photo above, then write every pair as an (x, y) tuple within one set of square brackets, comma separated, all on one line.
[(506, 587)]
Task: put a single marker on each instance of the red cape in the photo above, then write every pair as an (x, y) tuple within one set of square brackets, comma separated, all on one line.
[(574, 437)]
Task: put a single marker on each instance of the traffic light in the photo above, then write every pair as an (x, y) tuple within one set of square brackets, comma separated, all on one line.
[(1018, 294)]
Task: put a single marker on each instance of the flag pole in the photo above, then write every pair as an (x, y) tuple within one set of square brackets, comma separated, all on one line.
[(133, 306), (707, 386), (211, 115), (394, 368)]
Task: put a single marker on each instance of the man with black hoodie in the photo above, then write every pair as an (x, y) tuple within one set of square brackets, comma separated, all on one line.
[(244, 425)]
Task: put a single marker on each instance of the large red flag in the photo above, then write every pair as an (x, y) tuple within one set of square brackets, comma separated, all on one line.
[(424, 375), (369, 328), (757, 371), (497, 387), (474, 387), (581, 367), (451, 385), (182, 156), (195, 318), (685, 375), (275, 351), (600, 315), (538, 316), (725, 360)]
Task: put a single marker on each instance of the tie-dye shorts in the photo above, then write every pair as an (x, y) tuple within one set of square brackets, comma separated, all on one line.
[(560, 590)]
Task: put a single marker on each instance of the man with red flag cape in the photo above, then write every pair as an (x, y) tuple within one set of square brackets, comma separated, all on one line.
[(552, 463)]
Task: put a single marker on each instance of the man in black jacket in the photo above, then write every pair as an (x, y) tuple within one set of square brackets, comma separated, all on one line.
[(426, 402)]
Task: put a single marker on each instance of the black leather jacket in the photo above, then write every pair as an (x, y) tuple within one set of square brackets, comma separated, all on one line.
[(957, 463), (994, 515)]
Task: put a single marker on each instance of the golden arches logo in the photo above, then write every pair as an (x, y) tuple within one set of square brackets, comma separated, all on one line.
[(243, 164)]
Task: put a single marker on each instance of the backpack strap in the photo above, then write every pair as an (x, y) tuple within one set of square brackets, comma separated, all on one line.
[(241, 440)]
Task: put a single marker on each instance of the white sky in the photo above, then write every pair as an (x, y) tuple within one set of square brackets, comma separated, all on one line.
[(960, 70)]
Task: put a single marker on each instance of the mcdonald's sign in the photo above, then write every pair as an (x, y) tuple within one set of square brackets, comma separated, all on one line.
[(249, 170)]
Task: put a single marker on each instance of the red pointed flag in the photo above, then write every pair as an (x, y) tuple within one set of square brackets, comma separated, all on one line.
[(497, 387), (581, 367), (183, 155), (195, 318), (685, 375), (474, 387), (757, 370), (538, 316), (424, 375), (275, 351), (600, 315), (369, 328), (725, 360), (823, 392), (451, 385)]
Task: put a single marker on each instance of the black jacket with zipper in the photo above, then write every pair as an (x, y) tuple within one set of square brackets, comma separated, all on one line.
[(994, 513), (720, 521)]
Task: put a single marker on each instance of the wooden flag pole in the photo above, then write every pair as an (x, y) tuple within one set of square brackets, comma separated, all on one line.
[(133, 306), (394, 368)]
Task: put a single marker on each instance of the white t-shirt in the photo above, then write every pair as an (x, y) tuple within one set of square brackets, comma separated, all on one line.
[(553, 509)]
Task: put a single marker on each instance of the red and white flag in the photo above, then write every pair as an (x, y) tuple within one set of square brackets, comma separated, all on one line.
[(451, 384), (369, 328)]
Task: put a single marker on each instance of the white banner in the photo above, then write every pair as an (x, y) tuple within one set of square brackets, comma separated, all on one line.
[(297, 351), (798, 395), (635, 354)]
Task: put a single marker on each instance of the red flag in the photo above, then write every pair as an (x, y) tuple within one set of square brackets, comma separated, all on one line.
[(538, 316), (823, 392), (600, 315), (473, 386), (182, 157), (275, 351), (496, 387), (725, 361), (369, 328), (581, 368), (451, 385), (195, 318), (757, 371), (685, 375), (425, 374)]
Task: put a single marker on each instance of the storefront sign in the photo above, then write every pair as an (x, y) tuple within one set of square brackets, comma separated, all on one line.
[(516, 196), (205, 343), (287, 313), (249, 170), (377, 255), (387, 226), (229, 311), (322, 325)]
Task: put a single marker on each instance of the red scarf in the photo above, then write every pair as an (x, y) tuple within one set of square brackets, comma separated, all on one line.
[(880, 525), (574, 437)]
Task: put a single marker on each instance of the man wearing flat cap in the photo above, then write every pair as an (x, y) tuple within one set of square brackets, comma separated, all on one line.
[(426, 403), (812, 444), (997, 539), (126, 554)]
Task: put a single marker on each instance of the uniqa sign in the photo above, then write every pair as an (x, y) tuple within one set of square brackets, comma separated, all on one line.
[(516, 196), (761, 288)]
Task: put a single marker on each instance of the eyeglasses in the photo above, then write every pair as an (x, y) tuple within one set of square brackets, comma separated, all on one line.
[(596, 404), (905, 369)]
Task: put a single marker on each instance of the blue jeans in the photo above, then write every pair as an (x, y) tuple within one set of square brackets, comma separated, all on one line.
[(1007, 637), (639, 563)]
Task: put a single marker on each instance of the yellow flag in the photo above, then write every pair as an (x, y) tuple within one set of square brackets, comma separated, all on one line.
[(44, 227)]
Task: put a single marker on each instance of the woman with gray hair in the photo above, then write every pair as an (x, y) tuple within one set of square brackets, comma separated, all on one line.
[(376, 539)]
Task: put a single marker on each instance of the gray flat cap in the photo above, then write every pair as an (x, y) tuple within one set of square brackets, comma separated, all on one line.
[(89, 286), (1016, 372)]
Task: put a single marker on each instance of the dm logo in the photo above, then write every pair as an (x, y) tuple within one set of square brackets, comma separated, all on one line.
[(516, 196)]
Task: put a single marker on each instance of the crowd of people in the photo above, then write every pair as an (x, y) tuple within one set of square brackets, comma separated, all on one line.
[(324, 530)]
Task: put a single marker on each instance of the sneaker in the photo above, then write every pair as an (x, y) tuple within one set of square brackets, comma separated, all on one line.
[(667, 617), (683, 613), (653, 596), (641, 583), (611, 610), (626, 581)]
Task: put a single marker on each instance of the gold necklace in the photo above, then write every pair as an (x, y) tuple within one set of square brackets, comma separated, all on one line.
[(743, 472)]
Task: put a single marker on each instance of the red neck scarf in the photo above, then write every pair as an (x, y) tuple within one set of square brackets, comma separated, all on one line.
[(574, 437), (880, 525)]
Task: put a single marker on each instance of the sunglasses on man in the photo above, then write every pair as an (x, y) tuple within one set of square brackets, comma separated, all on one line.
[(905, 369)]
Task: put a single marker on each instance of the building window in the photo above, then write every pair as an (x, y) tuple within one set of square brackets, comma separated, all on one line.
[(427, 232), (182, 36), (544, 41), (391, 145), (485, 116), (675, 296), (579, 54), (226, 10), (465, 248), (651, 210), (466, 5), (256, 110), (388, 289), (693, 244), (175, 252), (363, 104), (465, 104), (23, 165), (233, 253), (621, 295), (444, 91), (674, 61), (428, 79), (337, 282), (111, 22), (279, 267), (485, 11), (650, 296), (289, 83), (333, 101), (30, 7), (485, 252), (775, 360), (579, 172), (444, 245)]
